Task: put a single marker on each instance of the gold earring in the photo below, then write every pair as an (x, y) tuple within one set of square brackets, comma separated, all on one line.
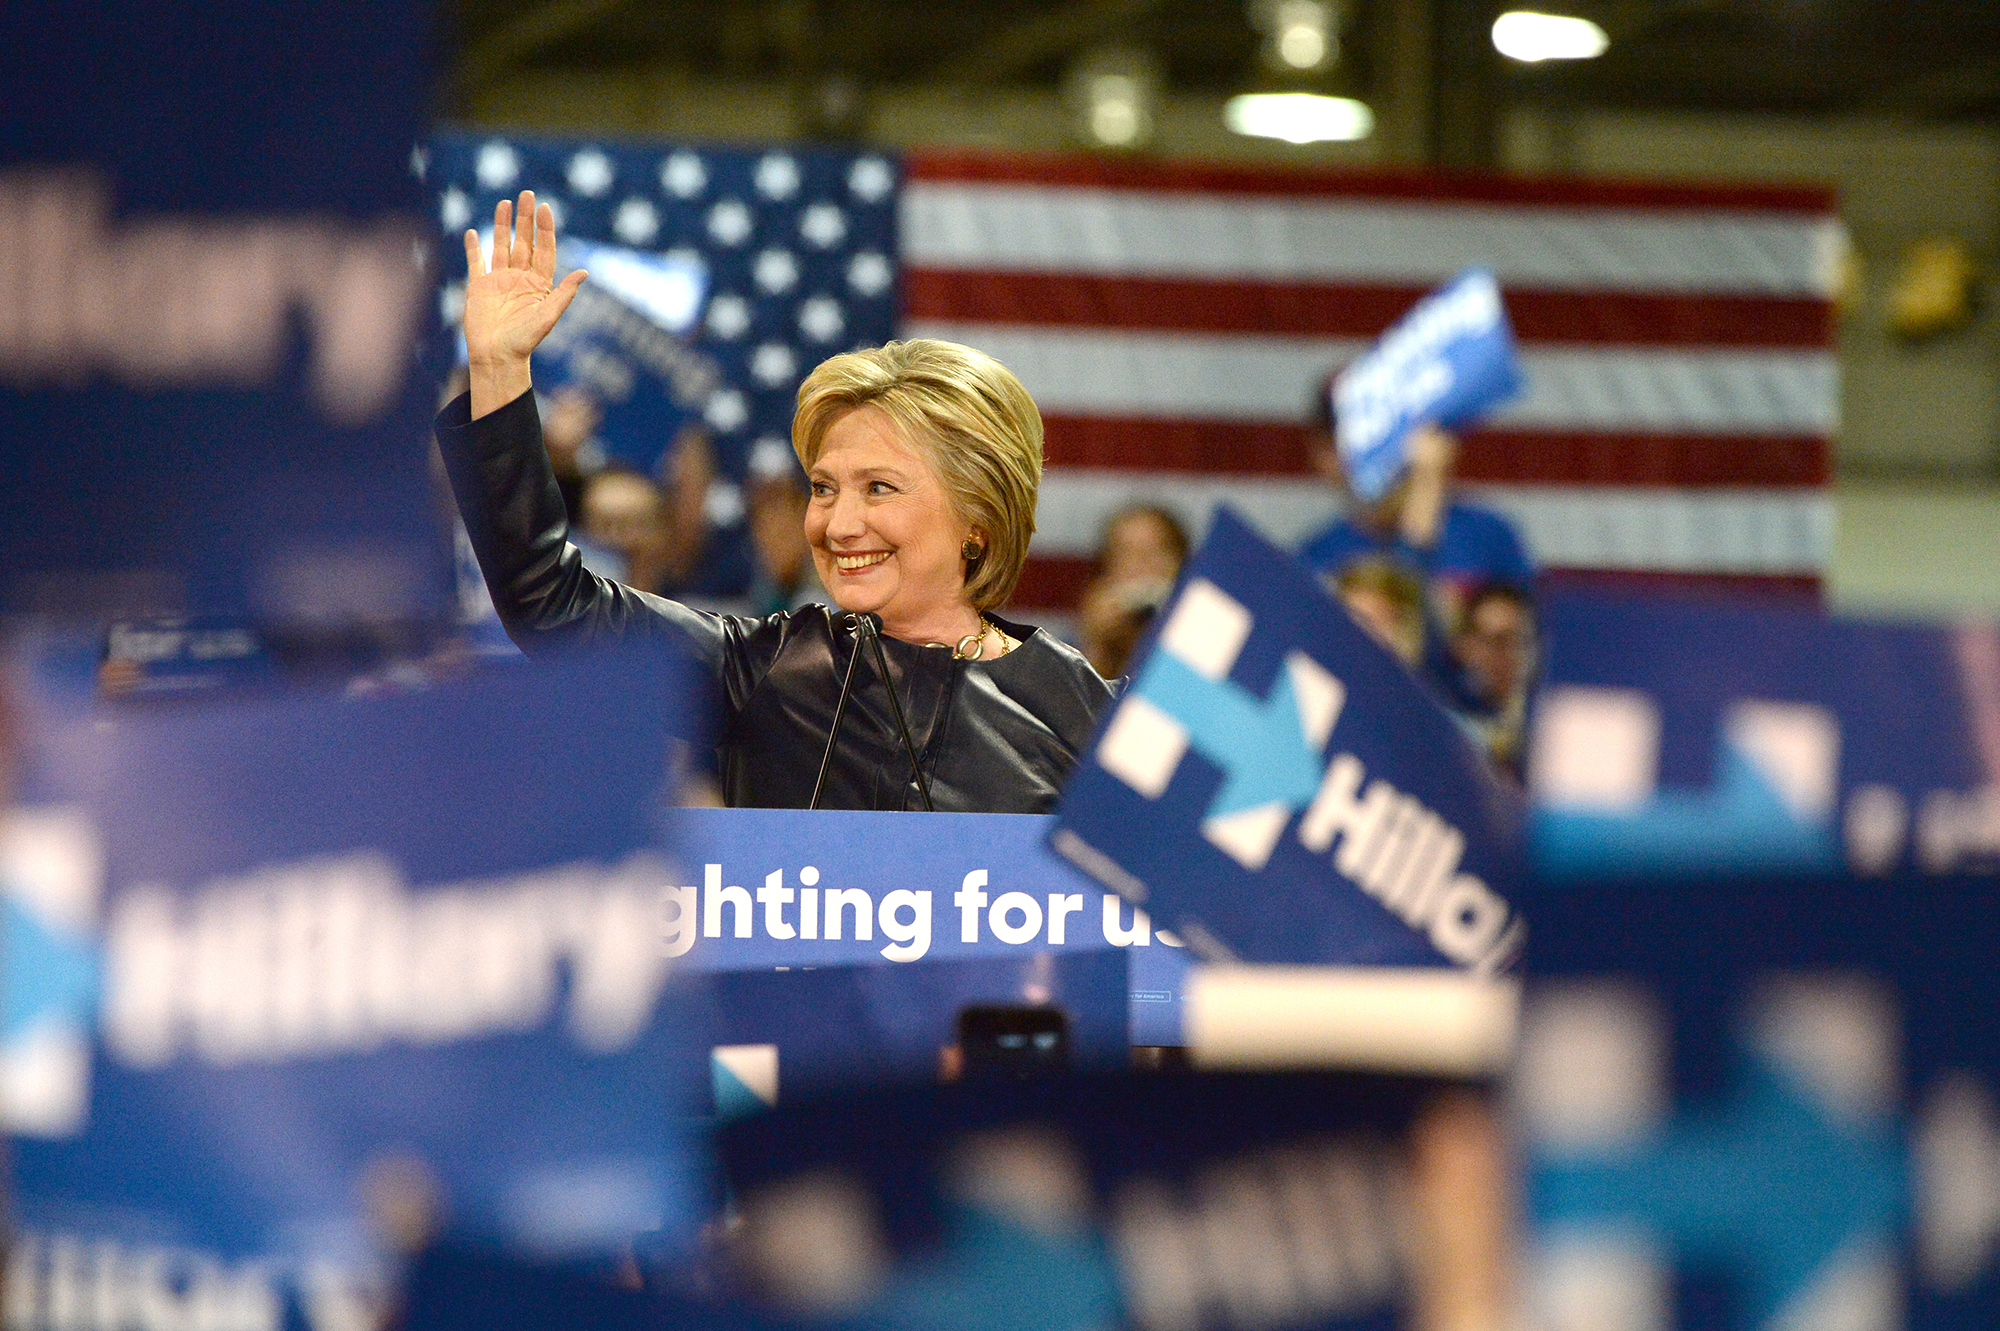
[(971, 551)]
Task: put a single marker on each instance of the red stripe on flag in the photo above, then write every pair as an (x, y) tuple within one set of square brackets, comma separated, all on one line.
[(1057, 583), (973, 165), (1518, 457), (1074, 300)]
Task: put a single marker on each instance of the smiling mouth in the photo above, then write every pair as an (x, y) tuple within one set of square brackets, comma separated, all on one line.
[(855, 563)]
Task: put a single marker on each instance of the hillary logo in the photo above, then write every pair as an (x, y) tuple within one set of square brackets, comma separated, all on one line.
[(51, 870), (1272, 749)]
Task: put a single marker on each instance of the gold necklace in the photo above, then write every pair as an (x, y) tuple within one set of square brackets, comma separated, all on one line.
[(972, 647)]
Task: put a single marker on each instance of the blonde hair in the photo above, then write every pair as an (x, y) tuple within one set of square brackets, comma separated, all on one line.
[(972, 418)]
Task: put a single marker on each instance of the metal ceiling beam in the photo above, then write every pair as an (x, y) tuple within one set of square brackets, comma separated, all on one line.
[(491, 53), (1028, 43)]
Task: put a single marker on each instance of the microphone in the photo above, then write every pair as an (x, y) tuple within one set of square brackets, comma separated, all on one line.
[(840, 707), (869, 626)]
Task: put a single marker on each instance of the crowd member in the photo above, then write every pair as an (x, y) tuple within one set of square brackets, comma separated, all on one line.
[(1137, 563), (784, 580), (924, 459), (571, 416), (1387, 600), (1497, 650), (624, 515), (1453, 545)]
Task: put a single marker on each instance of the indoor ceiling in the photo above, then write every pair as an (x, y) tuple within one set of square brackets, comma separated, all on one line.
[(1937, 60)]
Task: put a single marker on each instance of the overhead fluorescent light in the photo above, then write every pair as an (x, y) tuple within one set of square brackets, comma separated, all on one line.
[(1529, 37), (1299, 117)]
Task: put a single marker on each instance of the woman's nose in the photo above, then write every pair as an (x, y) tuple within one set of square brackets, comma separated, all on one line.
[(843, 518)]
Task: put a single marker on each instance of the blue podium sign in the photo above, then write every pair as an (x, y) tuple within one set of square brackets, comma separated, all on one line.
[(1281, 789)]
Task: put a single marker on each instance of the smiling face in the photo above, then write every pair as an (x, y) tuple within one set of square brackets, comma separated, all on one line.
[(884, 533)]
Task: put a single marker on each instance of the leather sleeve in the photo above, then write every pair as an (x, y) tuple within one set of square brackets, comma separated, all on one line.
[(513, 511)]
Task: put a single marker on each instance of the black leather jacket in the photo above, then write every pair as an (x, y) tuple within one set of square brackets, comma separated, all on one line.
[(993, 736)]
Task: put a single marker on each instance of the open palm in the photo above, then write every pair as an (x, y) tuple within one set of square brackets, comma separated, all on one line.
[(513, 302)]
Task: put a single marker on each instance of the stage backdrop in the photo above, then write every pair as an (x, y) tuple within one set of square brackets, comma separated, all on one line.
[(1173, 321)]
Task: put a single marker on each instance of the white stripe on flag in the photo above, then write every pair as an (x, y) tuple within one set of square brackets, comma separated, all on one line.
[(1160, 234), (1237, 377), (1705, 531)]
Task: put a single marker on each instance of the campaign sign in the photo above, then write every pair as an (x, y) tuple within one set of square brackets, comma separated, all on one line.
[(1756, 1105), (1091, 1202), (1448, 361), (274, 964), (790, 889), (1677, 737), (216, 295), (1281, 789)]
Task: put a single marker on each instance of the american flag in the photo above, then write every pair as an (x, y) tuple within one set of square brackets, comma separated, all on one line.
[(1172, 320)]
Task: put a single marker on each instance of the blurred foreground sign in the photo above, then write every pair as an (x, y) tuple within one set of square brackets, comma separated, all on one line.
[(287, 975), (1278, 788), (214, 300), (1680, 738)]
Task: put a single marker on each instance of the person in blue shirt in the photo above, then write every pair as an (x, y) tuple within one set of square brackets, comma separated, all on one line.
[(1454, 546)]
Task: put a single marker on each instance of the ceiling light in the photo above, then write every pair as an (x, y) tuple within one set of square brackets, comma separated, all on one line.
[(1302, 33), (1113, 91), (1299, 117), (1528, 37)]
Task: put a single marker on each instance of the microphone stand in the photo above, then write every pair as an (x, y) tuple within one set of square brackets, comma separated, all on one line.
[(840, 710), (871, 628)]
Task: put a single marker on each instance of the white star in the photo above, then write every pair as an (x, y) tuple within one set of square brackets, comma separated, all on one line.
[(869, 273), (686, 256), (777, 176), (556, 209), (726, 410), (590, 173), (451, 304), (420, 160), (728, 317), (455, 209), (773, 364), (497, 165), (771, 458), (723, 506), (636, 222), (730, 222), (683, 175), (821, 320), (776, 271), (823, 225), (871, 179)]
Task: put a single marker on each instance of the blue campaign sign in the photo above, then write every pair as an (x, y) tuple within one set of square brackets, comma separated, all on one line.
[(1279, 788), (1678, 737), (270, 958), (765, 888), (216, 299), (1447, 361), (1764, 1105)]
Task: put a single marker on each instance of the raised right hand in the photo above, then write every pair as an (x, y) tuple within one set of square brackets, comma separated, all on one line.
[(513, 302)]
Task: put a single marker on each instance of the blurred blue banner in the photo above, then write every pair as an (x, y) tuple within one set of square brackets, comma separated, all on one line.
[(1279, 788), (278, 965), (1678, 737), (218, 292), (1447, 361)]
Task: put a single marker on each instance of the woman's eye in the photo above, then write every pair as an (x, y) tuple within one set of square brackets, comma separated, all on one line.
[(880, 488), (821, 489)]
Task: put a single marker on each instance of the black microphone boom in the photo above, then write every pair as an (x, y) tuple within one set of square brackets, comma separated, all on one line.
[(870, 627), (839, 710)]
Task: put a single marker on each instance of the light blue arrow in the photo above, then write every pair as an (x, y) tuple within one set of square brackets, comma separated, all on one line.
[(48, 975), (1262, 745), (1742, 825), (1762, 1182)]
